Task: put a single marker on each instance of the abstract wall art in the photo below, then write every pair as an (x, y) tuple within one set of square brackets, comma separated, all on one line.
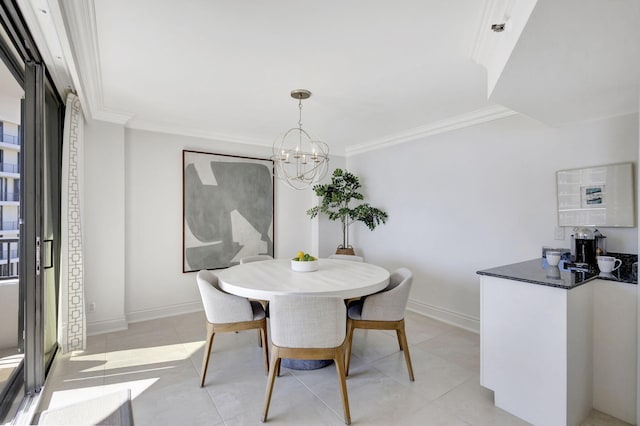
[(227, 209)]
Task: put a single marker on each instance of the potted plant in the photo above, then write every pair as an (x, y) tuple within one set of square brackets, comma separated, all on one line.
[(336, 197)]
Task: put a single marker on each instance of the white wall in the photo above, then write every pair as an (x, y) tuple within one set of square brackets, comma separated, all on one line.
[(479, 197), (458, 202), (329, 232), (104, 226), (638, 298), (133, 223), (155, 283)]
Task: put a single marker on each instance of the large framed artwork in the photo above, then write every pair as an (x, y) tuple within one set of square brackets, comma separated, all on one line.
[(227, 209)]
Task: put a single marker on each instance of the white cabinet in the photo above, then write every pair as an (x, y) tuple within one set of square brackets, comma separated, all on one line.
[(615, 349), (535, 348), (551, 354)]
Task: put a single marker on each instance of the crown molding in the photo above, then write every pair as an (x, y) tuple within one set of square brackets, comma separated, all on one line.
[(80, 21), (153, 126), (494, 112), (483, 115)]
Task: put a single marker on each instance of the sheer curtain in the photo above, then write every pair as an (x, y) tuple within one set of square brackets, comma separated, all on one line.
[(72, 331)]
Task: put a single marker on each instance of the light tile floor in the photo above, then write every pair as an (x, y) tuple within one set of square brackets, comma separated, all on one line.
[(160, 361)]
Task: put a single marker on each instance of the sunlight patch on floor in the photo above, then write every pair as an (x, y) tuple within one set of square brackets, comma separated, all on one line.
[(138, 357), (61, 398)]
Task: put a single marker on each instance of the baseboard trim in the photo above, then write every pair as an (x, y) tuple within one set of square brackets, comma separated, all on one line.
[(441, 314), (102, 327), (164, 312), (445, 315)]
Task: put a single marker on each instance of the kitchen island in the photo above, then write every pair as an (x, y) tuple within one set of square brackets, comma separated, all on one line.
[(556, 343)]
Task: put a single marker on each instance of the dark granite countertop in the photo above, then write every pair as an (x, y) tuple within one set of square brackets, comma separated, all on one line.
[(536, 271)]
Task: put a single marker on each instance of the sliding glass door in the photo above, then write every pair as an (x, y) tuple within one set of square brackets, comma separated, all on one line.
[(38, 169), (40, 230), (51, 180), (11, 320)]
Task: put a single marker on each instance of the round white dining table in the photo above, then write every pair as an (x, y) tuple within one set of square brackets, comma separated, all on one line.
[(343, 278)]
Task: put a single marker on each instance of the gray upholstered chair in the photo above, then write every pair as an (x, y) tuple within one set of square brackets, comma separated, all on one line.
[(307, 327), (226, 312), (256, 258), (347, 257), (383, 311)]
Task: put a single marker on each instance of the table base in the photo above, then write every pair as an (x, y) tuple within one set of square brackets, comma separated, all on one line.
[(304, 364)]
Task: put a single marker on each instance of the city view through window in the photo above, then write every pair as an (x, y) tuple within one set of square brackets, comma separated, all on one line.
[(9, 197)]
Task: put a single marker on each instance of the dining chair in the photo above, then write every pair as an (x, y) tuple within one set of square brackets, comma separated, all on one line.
[(256, 258), (225, 313), (310, 328), (347, 257), (383, 311)]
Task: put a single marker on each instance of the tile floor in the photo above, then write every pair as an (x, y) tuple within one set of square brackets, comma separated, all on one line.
[(160, 362)]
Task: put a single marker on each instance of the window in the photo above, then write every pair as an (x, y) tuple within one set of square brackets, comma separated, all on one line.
[(37, 130)]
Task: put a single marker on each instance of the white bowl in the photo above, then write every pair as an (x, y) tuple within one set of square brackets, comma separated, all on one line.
[(553, 258), (309, 266)]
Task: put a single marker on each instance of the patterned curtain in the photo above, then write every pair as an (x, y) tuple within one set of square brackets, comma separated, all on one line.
[(72, 330)]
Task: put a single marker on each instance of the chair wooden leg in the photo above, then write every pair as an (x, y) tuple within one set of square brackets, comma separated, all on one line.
[(399, 339), (407, 357), (340, 369), (350, 330), (207, 352), (259, 338), (275, 366), (265, 347)]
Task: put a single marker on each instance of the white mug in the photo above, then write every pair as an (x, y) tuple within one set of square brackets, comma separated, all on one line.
[(553, 257), (608, 264)]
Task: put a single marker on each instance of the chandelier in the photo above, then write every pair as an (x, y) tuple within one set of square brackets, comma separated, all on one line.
[(300, 160)]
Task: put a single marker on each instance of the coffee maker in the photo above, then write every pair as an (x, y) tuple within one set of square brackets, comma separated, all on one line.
[(586, 244)]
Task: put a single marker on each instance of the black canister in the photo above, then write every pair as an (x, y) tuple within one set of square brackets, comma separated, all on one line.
[(585, 246)]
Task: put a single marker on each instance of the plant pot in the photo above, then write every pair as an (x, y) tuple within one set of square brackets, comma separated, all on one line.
[(348, 250)]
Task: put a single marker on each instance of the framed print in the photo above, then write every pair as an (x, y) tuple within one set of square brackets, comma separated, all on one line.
[(596, 196), (227, 209), (592, 195)]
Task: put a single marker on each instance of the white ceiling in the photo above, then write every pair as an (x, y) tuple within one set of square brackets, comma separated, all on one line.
[(381, 72), (219, 68), (575, 60)]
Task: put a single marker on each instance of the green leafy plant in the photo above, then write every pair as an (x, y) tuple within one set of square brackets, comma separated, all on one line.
[(336, 197)]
